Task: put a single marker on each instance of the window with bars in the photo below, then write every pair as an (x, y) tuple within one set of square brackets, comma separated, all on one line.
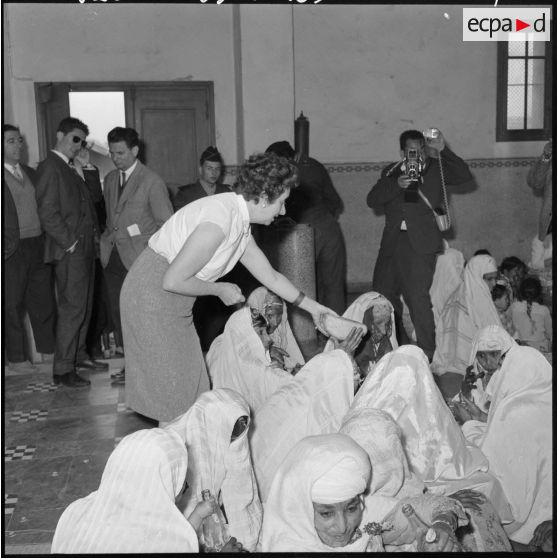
[(524, 95)]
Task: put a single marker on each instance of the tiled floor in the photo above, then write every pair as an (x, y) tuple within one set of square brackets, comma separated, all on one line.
[(56, 444)]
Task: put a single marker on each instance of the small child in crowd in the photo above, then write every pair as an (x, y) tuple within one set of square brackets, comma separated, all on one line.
[(501, 298), (530, 318)]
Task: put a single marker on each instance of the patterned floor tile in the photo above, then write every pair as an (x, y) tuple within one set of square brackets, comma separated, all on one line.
[(10, 501), (16, 453), (40, 387), (28, 416)]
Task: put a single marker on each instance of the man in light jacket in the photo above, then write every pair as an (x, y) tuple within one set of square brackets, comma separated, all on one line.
[(137, 203)]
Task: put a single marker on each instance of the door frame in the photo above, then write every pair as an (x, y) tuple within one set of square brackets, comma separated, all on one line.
[(129, 88)]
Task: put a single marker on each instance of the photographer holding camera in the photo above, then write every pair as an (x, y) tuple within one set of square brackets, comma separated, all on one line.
[(410, 192)]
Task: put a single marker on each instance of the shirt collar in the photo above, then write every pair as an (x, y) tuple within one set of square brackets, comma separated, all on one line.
[(12, 168), (62, 156), (130, 170)]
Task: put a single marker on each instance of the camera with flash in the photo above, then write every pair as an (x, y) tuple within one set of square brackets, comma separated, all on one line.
[(412, 167)]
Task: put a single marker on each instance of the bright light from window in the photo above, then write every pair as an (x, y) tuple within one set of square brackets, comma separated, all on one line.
[(101, 111)]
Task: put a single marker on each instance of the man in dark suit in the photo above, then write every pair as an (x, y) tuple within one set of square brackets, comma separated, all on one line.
[(209, 182), (137, 204), (68, 218), (28, 280), (411, 238)]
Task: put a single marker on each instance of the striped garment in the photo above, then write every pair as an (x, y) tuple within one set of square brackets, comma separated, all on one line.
[(134, 509), (219, 465)]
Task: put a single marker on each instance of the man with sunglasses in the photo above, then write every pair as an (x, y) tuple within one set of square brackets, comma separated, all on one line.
[(68, 217)]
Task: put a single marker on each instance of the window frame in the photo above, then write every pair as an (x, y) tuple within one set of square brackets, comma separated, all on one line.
[(535, 134)]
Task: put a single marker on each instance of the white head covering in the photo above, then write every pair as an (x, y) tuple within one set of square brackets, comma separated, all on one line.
[(477, 294), (517, 437), (357, 309), (220, 465), (238, 360), (380, 436), (448, 275), (134, 510), (311, 465), (314, 403), (491, 338), (283, 336), (402, 385)]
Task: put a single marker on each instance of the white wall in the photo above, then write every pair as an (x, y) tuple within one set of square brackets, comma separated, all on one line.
[(364, 74)]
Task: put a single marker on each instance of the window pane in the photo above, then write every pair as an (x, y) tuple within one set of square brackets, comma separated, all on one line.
[(536, 48), (515, 114), (516, 48), (535, 106), (101, 111), (535, 72), (516, 72)]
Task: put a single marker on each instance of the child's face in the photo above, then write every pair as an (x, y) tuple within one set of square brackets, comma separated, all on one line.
[(502, 303)]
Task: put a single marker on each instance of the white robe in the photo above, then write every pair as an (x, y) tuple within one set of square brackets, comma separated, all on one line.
[(222, 466), (517, 437), (133, 510)]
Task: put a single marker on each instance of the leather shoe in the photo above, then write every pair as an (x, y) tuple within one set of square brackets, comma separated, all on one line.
[(72, 379), (91, 364)]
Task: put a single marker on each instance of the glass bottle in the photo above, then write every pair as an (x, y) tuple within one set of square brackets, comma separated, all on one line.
[(214, 527), (375, 542), (423, 533)]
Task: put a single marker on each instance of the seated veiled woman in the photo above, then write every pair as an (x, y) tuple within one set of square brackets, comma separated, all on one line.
[(284, 349), (376, 312), (215, 433), (314, 403), (514, 430), (468, 309), (438, 453), (448, 275), (393, 485), (256, 354), (317, 501), (134, 509)]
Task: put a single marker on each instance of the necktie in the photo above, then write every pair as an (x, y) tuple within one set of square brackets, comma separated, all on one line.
[(17, 172), (122, 183)]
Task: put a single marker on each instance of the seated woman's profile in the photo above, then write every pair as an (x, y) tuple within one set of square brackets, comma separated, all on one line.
[(134, 510), (215, 431), (317, 502), (257, 353), (376, 313)]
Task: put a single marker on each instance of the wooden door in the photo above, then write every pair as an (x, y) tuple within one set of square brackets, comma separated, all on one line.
[(175, 124)]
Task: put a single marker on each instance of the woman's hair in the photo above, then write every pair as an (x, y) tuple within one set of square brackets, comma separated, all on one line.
[(512, 262), (530, 290), (498, 291), (258, 320), (482, 251), (265, 174)]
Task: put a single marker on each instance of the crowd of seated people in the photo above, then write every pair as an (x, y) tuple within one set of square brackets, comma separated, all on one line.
[(356, 449), (334, 460)]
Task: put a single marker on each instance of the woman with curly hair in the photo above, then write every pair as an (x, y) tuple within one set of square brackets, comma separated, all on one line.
[(165, 369)]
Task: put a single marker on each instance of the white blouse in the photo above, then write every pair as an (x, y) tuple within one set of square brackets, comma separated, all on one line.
[(228, 211)]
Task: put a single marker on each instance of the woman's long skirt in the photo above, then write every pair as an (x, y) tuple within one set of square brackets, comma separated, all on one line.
[(165, 369)]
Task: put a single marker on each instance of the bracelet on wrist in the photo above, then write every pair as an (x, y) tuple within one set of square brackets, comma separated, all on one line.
[(447, 519), (299, 299)]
